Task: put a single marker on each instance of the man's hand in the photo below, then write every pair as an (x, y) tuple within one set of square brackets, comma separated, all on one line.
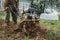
[(4, 9)]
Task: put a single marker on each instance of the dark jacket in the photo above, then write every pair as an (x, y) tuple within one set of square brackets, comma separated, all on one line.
[(11, 2)]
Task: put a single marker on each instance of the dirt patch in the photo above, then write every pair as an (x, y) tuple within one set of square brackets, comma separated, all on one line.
[(18, 31)]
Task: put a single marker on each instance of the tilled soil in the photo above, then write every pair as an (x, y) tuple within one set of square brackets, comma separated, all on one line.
[(20, 30)]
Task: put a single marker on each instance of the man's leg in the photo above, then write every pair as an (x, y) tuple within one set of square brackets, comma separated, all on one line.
[(14, 18), (7, 20), (14, 14)]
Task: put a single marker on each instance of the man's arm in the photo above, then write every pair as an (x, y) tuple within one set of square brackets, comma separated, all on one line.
[(5, 3), (17, 4)]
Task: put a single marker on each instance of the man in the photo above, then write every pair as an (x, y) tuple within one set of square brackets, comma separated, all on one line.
[(11, 6)]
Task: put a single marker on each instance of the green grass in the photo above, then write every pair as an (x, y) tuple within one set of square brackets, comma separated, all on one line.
[(26, 38), (53, 27), (51, 24), (2, 15)]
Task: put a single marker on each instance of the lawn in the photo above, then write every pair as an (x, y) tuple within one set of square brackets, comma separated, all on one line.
[(50, 24), (2, 15), (53, 26)]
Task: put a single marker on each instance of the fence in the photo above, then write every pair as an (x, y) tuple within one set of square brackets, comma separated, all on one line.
[(21, 4), (1, 4)]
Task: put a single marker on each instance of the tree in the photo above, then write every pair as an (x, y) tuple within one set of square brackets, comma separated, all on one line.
[(39, 5)]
